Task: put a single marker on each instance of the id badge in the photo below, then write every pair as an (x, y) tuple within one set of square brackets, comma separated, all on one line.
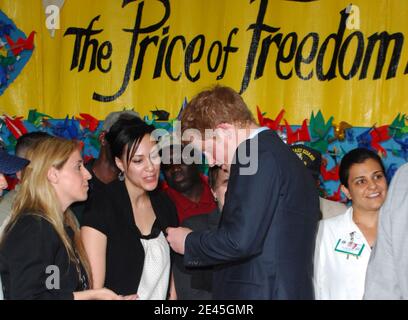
[(349, 247)]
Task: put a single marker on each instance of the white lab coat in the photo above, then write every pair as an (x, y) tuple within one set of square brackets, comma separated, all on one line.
[(337, 277)]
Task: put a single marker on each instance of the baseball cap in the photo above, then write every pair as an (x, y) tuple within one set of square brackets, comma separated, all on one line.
[(311, 158), (112, 117), (10, 164)]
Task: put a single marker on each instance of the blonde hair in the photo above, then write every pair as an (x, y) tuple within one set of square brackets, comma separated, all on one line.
[(37, 196)]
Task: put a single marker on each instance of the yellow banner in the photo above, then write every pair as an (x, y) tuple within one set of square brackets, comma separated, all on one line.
[(96, 56)]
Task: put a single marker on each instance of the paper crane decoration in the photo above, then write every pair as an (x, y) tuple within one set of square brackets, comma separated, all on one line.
[(397, 126), (37, 119), (332, 174), (5, 30), (364, 139), (15, 126), (318, 127), (319, 131), (21, 44), (301, 134), (336, 196), (66, 129), (7, 61), (86, 121), (271, 124), (350, 135), (378, 135)]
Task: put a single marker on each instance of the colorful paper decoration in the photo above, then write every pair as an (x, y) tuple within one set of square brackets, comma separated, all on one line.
[(266, 122)]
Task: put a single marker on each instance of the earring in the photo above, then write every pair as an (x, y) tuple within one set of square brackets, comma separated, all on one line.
[(121, 176)]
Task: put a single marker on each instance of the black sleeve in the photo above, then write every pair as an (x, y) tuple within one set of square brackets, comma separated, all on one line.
[(173, 217), (246, 217), (165, 209), (29, 248), (96, 213)]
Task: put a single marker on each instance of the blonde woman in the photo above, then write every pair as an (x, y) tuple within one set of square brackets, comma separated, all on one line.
[(41, 256)]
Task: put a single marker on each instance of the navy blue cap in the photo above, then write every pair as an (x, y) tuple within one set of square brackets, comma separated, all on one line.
[(311, 158), (10, 164)]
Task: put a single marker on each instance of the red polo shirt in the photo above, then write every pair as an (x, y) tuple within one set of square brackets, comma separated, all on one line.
[(187, 208)]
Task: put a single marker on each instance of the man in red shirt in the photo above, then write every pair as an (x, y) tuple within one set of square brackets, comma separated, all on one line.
[(196, 209), (186, 186)]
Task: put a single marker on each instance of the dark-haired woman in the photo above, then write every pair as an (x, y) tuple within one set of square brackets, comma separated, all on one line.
[(344, 242), (124, 226)]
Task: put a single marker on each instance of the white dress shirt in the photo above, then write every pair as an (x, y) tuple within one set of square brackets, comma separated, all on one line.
[(337, 275)]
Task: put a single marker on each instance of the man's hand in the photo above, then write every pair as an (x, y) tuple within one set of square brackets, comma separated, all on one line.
[(176, 238)]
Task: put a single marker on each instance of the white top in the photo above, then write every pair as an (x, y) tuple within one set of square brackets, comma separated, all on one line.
[(154, 282), (337, 275)]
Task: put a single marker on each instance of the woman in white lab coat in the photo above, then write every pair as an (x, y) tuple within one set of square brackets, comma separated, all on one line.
[(344, 242)]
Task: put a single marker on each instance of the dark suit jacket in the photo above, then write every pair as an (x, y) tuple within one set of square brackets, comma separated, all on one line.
[(264, 245), (195, 283)]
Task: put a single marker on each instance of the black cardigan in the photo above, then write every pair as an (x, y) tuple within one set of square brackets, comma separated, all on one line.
[(29, 256), (110, 212)]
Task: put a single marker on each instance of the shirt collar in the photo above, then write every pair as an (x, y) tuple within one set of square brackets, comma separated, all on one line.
[(257, 131), (354, 228), (206, 195)]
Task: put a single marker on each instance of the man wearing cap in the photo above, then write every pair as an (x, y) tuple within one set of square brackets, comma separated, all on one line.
[(103, 169), (24, 144), (9, 164), (312, 159)]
